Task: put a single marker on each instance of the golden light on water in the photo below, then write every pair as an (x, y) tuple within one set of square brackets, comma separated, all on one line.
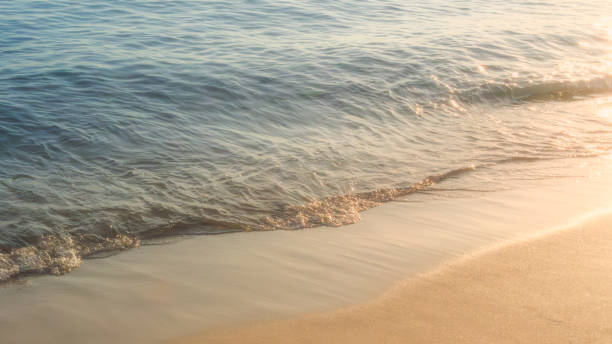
[(605, 112), (603, 107), (605, 25)]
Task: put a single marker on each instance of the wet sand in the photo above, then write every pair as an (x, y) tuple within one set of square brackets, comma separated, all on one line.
[(555, 289)]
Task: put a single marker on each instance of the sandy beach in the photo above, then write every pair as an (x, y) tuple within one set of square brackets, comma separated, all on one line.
[(305, 171), (552, 289)]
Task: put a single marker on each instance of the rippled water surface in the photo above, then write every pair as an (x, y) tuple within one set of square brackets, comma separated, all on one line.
[(123, 120)]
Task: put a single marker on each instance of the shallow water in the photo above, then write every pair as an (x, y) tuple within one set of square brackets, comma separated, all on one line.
[(128, 120)]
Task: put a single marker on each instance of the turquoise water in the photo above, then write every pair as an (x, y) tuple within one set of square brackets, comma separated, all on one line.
[(126, 120)]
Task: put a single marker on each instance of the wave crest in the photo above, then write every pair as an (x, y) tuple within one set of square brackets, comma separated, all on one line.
[(345, 209), (559, 90)]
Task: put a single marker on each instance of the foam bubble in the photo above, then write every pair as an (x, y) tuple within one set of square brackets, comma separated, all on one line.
[(57, 255)]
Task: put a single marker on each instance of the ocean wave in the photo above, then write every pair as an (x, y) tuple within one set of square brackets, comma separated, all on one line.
[(341, 210), (109, 135), (536, 91), (56, 255)]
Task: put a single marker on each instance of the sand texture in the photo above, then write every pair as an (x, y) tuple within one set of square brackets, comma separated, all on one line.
[(552, 289)]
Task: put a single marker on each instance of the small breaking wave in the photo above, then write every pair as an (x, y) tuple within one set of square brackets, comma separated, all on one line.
[(345, 209), (57, 255), (543, 91)]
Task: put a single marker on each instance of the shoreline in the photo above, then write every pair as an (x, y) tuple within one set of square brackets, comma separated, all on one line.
[(551, 288), (164, 292)]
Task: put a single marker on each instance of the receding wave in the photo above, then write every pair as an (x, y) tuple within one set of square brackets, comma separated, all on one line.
[(57, 255)]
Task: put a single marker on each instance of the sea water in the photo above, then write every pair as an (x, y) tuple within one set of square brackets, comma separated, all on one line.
[(121, 121)]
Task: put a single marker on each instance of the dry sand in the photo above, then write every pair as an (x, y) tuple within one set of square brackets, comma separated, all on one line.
[(553, 289)]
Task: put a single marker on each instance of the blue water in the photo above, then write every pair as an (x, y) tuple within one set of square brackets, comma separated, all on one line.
[(125, 120)]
